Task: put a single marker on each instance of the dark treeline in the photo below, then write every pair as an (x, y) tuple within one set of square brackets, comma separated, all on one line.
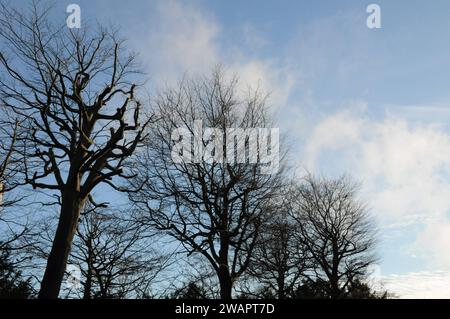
[(87, 178)]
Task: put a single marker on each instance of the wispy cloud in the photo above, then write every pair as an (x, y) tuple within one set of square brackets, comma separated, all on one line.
[(419, 285), (184, 38), (405, 170)]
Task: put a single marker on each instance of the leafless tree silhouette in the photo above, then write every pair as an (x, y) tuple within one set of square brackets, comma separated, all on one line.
[(337, 231), (115, 255), (280, 259), (13, 230), (77, 112), (213, 208)]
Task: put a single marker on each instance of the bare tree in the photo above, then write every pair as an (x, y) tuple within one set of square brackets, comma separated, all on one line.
[(115, 255), (213, 208), (7, 178), (12, 283), (279, 261), (195, 279), (77, 109), (13, 229), (337, 231), (8, 173)]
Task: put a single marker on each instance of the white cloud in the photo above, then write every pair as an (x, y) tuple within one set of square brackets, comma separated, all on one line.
[(419, 285), (412, 163), (177, 38), (183, 38), (270, 79), (434, 242), (404, 169)]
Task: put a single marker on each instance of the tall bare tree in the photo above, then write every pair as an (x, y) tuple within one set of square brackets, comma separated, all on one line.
[(213, 208), (77, 109), (337, 231)]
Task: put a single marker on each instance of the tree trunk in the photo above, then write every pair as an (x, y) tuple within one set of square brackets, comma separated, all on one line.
[(225, 281), (88, 284), (226, 284), (334, 280), (335, 291), (57, 260), (281, 288)]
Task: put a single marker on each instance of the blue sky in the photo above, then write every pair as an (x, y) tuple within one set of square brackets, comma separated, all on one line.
[(373, 103)]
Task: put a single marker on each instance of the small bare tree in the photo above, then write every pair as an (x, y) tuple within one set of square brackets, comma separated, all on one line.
[(115, 256), (195, 279), (10, 162), (12, 229), (213, 208), (279, 261), (77, 109), (8, 173), (337, 231)]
